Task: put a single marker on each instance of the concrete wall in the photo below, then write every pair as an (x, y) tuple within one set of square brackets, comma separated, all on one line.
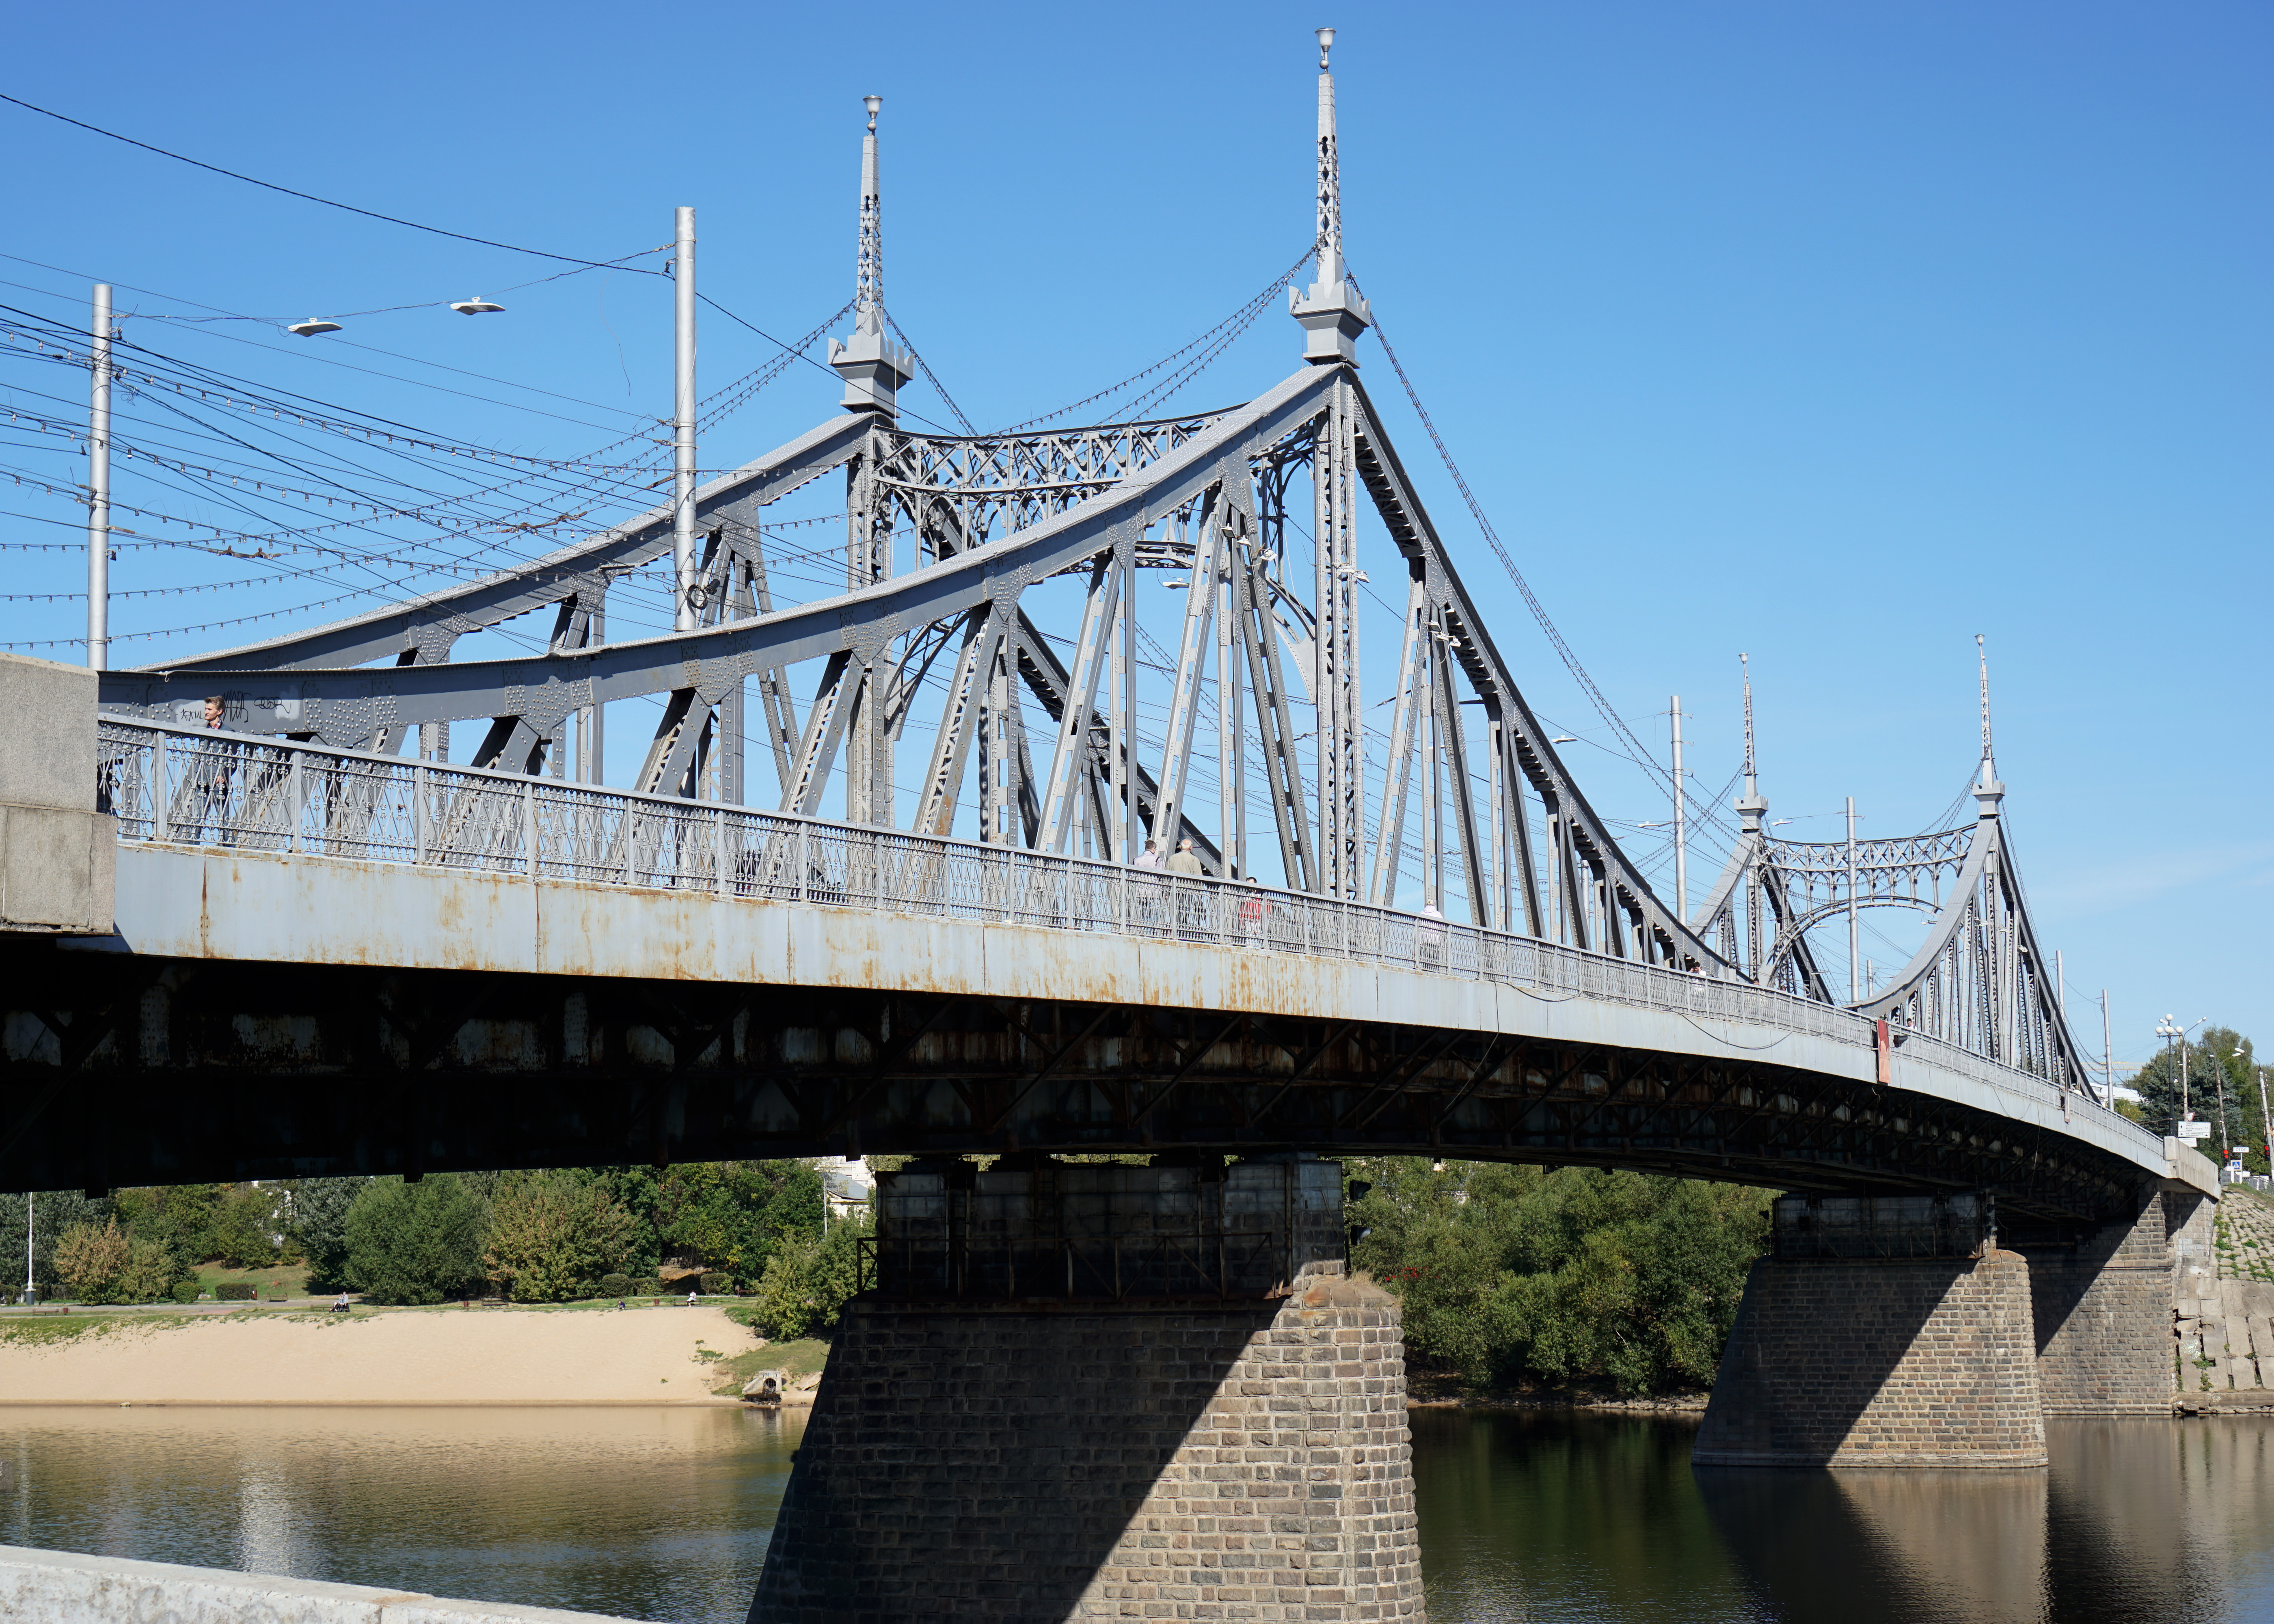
[(1879, 1364), (56, 1587), (1243, 1459), (58, 855)]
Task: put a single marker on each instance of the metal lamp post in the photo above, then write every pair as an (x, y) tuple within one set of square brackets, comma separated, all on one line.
[(2170, 1030)]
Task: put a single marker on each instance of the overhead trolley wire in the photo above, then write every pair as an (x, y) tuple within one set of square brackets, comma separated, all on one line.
[(307, 413), (315, 353), (309, 197)]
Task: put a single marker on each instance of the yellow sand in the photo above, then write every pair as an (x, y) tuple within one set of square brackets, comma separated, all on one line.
[(645, 1356)]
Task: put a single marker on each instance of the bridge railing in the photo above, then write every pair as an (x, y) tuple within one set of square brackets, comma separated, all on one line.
[(191, 786)]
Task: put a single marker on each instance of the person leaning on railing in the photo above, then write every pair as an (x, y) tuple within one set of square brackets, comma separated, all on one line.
[(211, 768), (1430, 936)]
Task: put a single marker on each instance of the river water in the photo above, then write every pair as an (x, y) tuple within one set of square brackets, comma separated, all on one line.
[(1538, 1516)]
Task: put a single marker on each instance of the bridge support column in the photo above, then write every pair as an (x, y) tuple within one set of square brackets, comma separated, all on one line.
[(1047, 1456), (2103, 1314), (1878, 1359)]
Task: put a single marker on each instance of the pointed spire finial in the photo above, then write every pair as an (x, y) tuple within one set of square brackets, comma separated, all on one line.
[(873, 367), (1989, 792), (1750, 806), (1332, 313)]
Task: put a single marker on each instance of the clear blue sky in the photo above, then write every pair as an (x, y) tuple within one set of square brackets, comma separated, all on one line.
[(1833, 335)]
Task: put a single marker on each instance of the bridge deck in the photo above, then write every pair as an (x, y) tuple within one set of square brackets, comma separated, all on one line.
[(501, 966)]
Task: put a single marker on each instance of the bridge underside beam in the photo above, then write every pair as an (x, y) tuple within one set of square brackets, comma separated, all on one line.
[(121, 1069)]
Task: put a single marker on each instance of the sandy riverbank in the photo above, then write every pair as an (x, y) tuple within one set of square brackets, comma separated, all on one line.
[(438, 1358)]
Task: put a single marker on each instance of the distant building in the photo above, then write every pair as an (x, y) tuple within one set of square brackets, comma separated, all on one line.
[(846, 1185)]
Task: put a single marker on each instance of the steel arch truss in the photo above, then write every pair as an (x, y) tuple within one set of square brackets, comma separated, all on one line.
[(1210, 496), (1980, 980)]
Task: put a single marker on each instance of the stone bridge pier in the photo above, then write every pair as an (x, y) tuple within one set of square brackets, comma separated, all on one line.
[(1078, 1390), (1906, 1331)]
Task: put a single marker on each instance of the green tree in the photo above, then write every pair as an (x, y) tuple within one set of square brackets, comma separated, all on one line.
[(1574, 1276), (553, 1234), (109, 1264), (149, 1274), (733, 1216), (1642, 1284), (52, 1212), (808, 1282), (181, 1218), (639, 1191), (2220, 1065), (89, 1260), (317, 1225), (243, 1226), (411, 1243)]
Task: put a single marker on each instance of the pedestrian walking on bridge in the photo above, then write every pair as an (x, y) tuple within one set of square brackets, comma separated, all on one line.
[(1192, 903)]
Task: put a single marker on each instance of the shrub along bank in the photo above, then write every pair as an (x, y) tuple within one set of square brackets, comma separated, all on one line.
[(549, 1236)]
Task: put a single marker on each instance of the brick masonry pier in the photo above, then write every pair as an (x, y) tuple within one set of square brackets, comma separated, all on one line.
[(1927, 1362), (1898, 1331), (1863, 1342), (1038, 1448), (2104, 1311)]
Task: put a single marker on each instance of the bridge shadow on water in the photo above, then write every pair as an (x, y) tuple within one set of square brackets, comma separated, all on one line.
[(1564, 1517), (2133, 1522)]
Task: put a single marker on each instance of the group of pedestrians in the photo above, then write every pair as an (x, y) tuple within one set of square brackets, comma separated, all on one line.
[(1252, 912), (1194, 903)]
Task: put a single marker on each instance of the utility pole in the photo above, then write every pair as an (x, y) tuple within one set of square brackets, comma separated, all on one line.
[(1854, 941), (98, 487), (2107, 1056), (2265, 1127), (29, 1288), (2226, 1139), (1681, 820), (2169, 1030), (682, 427)]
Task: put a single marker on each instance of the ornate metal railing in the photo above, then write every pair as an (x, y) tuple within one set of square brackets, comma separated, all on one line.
[(191, 786)]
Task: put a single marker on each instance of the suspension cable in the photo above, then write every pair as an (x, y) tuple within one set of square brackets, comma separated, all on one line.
[(938, 387), (1244, 315), (1634, 747)]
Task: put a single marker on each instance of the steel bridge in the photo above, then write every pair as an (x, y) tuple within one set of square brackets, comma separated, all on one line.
[(944, 933)]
